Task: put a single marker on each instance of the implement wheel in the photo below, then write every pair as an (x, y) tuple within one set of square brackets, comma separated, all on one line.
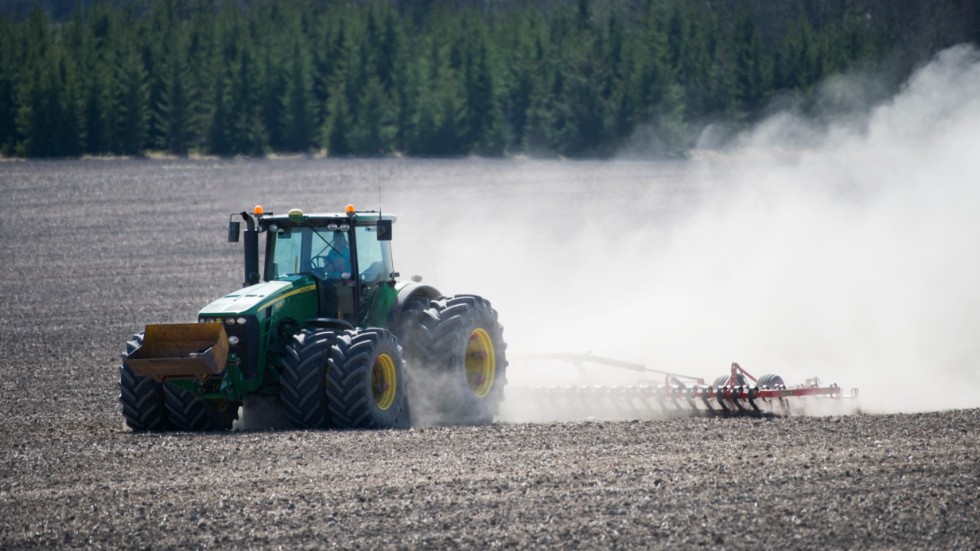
[(771, 381), (189, 413), (366, 384), (722, 380), (469, 353), (304, 378), (142, 398)]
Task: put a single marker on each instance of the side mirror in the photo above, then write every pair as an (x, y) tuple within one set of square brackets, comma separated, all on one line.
[(234, 228), (384, 230)]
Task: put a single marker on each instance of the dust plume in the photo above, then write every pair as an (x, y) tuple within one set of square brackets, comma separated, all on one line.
[(844, 246), (261, 413)]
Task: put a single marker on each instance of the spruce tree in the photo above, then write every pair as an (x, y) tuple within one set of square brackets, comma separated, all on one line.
[(753, 72), (577, 78), (131, 100), (299, 118), (373, 133), (8, 90)]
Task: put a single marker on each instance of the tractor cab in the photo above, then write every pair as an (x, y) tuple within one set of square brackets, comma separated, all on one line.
[(348, 255)]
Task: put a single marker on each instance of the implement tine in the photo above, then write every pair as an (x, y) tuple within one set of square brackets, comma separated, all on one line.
[(736, 395), (691, 403), (631, 395), (661, 390), (753, 393), (720, 396), (705, 394), (644, 393)]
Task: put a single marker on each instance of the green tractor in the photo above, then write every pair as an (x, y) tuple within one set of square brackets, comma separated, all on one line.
[(330, 330)]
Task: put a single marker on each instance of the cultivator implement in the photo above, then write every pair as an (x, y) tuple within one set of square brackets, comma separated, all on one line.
[(674, 395)]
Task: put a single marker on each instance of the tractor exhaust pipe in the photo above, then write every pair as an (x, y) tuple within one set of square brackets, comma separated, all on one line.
[(251, 251)]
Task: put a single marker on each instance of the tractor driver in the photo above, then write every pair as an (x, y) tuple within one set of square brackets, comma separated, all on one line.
[(336, 261), (338, 258)]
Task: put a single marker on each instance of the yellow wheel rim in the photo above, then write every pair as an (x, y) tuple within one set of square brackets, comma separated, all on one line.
[(481, 364), (384, 382)]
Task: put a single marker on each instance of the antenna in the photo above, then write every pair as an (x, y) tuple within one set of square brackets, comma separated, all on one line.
[(384, 226)]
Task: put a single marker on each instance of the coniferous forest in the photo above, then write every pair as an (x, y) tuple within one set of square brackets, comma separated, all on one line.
[(427, 78)]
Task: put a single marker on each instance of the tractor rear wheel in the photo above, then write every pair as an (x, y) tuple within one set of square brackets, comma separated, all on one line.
[(142, 398), (469, 355), (190, 413), (304, 378), (366, 384), (416, 349), (414, 339)]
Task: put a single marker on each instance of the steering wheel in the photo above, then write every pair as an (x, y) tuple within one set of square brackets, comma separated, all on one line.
[(318, 265), (329, 266)]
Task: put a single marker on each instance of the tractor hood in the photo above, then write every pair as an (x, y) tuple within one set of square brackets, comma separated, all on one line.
[(253, 299)]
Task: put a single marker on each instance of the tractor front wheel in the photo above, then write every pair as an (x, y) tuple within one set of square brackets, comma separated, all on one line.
[(304, 380), (142, 398), (366, 384), (191, 414)]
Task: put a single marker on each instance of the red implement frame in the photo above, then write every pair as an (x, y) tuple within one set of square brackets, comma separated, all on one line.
[(679, 394)]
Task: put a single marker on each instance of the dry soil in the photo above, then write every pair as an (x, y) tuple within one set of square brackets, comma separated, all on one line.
[(92, 250)]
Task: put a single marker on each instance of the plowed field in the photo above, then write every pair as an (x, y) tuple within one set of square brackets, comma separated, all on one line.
[(92, 250)]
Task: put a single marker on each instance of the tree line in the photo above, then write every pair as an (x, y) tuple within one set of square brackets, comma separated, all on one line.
[(418, 78)]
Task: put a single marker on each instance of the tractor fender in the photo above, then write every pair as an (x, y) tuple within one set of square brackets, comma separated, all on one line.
[(412, 289), (408, 291)]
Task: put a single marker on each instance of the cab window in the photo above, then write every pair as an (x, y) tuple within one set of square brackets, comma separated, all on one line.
[(292, 252), (324, 253), (373, 256)]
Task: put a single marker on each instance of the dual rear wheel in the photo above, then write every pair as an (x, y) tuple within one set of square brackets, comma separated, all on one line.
[(451, 370), (344, 379), (464, 371)]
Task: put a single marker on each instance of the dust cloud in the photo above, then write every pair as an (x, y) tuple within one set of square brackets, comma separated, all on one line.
[(843, 246)]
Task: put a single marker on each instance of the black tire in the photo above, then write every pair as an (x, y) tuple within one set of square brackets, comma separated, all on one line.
[(366, 383), (771, 381), (412, 336), (416, 349), (142, 398), (304, 378), (722, 380), (468, 354), (189, 413)]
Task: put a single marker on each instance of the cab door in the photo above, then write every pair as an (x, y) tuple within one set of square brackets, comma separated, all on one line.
[(375, 274)]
